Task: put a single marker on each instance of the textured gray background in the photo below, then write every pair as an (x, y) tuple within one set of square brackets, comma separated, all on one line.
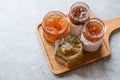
[(21, 55)]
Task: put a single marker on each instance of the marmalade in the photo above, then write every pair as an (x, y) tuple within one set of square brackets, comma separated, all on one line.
[(55, 25)]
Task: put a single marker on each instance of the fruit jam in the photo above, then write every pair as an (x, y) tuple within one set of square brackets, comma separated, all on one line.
[(55, 25), (79, 13), (93, 31)]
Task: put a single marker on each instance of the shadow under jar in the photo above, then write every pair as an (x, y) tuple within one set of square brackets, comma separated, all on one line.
[(78, 15), (55, 25), (93, 31)]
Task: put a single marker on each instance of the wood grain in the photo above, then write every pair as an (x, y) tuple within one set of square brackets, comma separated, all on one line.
[(104, 51)]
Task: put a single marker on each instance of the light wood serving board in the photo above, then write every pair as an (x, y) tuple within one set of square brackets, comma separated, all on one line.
[(104, 51)]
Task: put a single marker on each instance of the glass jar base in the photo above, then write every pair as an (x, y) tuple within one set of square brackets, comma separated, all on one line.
[(89, 46)]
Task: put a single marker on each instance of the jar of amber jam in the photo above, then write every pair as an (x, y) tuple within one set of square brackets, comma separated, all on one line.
[(78, 15), (55, 25), (93, 31)]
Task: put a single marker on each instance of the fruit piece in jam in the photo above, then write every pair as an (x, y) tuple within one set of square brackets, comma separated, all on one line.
[(68, 50), (55, 25)]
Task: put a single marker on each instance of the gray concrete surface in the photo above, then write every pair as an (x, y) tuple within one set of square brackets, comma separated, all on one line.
[(21, 55)]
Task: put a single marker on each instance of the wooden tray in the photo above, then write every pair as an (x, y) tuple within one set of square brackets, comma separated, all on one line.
[(104, 51)]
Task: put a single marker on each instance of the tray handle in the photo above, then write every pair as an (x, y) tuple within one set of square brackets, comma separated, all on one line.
[(111, 26)]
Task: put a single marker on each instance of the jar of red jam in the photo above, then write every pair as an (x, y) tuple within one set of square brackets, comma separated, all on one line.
[(78, 15), (93, 31), (55, 25)]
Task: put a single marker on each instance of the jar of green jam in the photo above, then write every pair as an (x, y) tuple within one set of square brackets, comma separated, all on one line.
[(68, 50)]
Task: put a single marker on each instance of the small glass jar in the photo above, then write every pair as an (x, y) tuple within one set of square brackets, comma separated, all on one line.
[(68, 50), (93, 31), (55, 25), (78, 15)]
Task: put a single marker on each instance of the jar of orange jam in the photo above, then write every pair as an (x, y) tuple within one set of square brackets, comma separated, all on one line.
[(79, 13), (55, 25), (93, 31)]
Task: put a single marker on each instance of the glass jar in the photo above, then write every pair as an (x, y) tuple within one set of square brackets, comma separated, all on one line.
[(68, 50), (93, 31), (78, 15), (55, 25)]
